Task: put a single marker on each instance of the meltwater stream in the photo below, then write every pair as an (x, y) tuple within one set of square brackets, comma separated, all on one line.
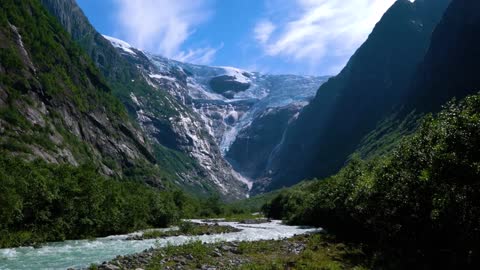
[(82, 253)]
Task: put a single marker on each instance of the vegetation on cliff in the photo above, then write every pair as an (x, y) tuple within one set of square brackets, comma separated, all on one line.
[(421, 200)]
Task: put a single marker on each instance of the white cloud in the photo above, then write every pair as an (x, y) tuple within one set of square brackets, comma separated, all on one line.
[(200, 56), (163, 26), (321, 32), (263, 30)]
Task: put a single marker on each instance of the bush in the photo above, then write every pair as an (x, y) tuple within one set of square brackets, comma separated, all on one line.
[(421, 200), (45, 202)]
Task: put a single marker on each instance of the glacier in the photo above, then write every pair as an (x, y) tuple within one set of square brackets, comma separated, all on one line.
[(215, 104)]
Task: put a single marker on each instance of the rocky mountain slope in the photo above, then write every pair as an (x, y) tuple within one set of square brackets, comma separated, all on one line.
[(181, 143), (54, 104), (348, 107), (172, 124), (230, 99), (222, 102)]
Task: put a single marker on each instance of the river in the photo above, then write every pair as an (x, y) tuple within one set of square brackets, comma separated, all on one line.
[(82, 253)]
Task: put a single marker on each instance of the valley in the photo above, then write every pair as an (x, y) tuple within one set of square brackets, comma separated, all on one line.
[(144, 155), (222, 117)]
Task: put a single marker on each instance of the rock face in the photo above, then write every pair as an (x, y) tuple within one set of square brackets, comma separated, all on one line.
[(254, 146), (450, 65), (54, 105), (228, 86), (349, 106)]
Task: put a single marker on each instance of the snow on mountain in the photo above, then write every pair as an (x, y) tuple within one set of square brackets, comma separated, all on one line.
[(221, 102), (117, 43), (227, 114), (239, 75)]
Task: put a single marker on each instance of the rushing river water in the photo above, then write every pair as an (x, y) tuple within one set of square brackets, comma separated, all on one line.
[(82, 253)]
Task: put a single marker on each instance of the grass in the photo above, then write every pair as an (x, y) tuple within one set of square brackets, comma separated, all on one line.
[(319, 251)]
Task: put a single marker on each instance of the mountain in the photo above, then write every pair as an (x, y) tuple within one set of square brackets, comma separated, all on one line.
[(446, 72), (253, 147), (192, 113), (348, 107), (181, 144), (231, 100), (449, 68), (174, 125), (56, 106), (421, 199), (223, 101)]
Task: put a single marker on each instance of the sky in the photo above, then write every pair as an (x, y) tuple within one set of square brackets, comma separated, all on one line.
[(305, 37)]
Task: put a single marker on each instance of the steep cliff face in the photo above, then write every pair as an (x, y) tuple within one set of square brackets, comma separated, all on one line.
[(450, 67), (373, 84), (255, 145), (181, 144), (71, 17), (55, 105)]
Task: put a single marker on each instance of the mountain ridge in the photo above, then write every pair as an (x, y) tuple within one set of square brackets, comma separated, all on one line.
[(349, 106)]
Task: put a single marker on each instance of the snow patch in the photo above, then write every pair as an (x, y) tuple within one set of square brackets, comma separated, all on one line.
[(238, 74), (134, 99), (117, 43), (22, 47), (243, 179), (160, 76)]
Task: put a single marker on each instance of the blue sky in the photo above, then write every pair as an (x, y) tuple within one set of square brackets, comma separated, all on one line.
[(309, 37)]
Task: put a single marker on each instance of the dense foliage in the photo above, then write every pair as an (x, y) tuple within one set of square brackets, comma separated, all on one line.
[(45, 202), (62, 68), (421, 200)]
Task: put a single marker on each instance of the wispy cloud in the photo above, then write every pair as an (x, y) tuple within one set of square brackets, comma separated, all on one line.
[(201, 56), (163, 26), (263, 30), (322, 33)]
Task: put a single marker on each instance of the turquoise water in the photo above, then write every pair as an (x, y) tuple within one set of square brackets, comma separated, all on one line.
[(82, 253)]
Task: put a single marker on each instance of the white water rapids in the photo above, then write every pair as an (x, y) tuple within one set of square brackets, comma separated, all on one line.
[(82, 253)]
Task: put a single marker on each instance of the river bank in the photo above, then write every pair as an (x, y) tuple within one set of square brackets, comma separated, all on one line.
[(310, 251)]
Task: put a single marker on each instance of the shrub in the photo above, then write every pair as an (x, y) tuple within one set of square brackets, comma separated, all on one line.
[(422, 199)]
